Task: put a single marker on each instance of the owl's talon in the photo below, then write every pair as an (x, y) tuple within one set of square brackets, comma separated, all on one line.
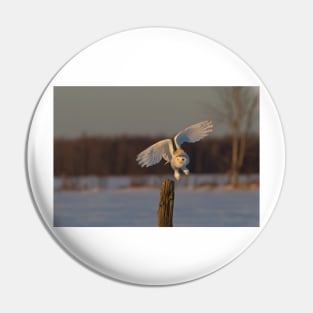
[(186, 171)]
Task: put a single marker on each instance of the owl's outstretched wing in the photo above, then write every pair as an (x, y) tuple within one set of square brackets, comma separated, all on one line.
[(194, 132), (154, 154)]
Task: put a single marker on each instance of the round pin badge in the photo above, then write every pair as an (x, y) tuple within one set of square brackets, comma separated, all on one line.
[(155, 156)]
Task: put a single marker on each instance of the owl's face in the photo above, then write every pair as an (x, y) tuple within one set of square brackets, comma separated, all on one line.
[(181, 159)]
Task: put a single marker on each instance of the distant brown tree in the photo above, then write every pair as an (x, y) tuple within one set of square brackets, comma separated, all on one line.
[(237, 109)]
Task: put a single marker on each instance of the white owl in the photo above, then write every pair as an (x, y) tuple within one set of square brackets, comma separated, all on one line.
[(170, 149)]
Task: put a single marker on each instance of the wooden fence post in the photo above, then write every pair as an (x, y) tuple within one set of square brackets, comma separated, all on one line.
[(166, 205)]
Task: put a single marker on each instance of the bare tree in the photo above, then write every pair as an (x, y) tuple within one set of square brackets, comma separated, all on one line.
[(237, 108)]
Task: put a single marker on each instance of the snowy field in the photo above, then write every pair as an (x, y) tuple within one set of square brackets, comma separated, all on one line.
[(117, 204)]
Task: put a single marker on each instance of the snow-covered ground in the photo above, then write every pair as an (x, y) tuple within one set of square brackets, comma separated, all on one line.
[(113, 182), (119, 205)]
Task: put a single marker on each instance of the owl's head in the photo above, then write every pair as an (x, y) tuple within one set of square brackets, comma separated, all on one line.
[(181, 158)]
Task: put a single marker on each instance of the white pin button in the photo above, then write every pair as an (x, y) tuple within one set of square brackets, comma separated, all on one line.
[(155, 127)]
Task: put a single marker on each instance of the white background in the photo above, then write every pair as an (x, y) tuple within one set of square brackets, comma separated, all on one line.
[(275, 273)]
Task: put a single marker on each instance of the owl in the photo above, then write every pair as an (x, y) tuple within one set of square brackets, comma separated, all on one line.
[(170, 149)]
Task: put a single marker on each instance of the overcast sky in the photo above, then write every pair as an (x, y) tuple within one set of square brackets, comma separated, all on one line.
[(108, 111)]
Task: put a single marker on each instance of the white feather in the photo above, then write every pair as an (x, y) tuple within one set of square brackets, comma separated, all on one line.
[(194, 133), (154, 154)]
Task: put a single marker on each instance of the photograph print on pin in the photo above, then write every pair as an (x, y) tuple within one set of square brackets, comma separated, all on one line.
[(156, 156)]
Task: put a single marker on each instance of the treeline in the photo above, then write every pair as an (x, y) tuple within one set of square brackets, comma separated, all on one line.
[(102, 156)]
